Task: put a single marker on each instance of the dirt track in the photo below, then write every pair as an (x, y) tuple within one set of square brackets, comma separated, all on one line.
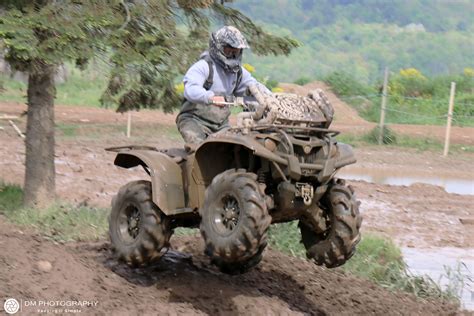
[(415, 216), (183, 283)]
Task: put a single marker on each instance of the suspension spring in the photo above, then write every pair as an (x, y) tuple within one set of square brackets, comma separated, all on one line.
[(262, 176)]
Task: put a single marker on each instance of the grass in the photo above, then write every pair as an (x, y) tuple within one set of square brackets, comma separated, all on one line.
[(12, 90), (11, 197), (60, 222), (377, 259), (393, 139), (286, 238), (410, 100), (82, 88)]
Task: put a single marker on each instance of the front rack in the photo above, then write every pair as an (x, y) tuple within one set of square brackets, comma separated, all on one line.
[(293, 129)]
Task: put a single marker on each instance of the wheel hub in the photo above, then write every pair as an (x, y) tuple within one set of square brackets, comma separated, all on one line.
[(227, 216), (130, 223)]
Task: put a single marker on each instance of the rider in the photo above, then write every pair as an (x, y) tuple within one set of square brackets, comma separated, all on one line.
[(218, 73)]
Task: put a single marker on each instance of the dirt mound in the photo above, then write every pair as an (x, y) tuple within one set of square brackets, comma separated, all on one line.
[(184, 283)]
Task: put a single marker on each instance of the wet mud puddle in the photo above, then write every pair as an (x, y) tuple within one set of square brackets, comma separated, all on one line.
[(447, 266), (398, 177)]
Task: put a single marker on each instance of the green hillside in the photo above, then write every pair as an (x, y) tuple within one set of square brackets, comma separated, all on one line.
[(363, 36)]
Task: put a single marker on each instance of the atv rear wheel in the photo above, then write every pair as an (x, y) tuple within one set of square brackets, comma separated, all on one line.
[(235, 221), (138, 229), (338, 243)]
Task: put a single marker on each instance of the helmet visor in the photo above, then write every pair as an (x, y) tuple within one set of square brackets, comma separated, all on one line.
[(231, 52)]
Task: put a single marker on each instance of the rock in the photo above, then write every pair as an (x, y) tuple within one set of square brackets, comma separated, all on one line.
[(467, 221), (44, 265)]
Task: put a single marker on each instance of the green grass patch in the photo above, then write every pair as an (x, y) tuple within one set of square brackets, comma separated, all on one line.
[(11, 196), (396, 140), (60, 222), (412, 98), (377, 259), (80, 89), (380, 260), (286, 238), (12, 90)]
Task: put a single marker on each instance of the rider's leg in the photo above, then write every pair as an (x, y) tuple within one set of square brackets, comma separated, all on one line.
[(192, 130)]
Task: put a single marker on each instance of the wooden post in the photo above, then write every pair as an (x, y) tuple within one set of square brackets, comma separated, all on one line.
[(384, 103), (450, 117), (129, 124)]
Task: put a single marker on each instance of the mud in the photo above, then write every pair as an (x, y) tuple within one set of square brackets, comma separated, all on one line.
[(183, 282)]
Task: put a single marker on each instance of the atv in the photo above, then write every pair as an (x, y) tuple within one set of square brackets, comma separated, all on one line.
[(278, 164)]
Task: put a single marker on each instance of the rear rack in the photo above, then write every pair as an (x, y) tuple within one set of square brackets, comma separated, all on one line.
[(131, 147)]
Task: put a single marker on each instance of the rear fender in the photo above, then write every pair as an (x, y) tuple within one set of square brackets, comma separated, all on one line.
[(165, 173)]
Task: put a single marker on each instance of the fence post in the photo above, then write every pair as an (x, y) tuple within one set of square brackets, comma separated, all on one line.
[(384, 103), (450, 117), (129, 124)]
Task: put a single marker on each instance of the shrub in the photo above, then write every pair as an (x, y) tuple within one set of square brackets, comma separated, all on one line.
[(271, 83), (302, 81), (468, 72), (344, 84), (389, 136), (411, 82)]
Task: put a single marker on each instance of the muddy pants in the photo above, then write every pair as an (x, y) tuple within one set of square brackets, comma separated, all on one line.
[(194, 130)]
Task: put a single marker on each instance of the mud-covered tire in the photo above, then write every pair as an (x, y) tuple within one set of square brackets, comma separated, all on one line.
[(143, 242), (235, 221), (337, 245)]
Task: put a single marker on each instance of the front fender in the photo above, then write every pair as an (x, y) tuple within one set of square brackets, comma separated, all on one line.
[(345, 155), (166, 176)]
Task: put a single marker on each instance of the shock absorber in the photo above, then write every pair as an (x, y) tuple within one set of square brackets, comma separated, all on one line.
[(261, 176)]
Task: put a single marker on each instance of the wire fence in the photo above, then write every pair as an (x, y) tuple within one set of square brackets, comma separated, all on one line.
[(399, 109), (411, 110)]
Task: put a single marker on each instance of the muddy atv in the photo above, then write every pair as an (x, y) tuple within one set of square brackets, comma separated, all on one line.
[(277, 165)]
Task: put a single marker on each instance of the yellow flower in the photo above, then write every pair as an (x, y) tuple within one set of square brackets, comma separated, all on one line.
[(412, 73), (249, 68), (277, 90), (179, 88), (468, 72)]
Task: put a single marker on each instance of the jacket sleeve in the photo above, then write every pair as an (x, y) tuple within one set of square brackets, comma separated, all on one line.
[(248, 80), (194, 81)]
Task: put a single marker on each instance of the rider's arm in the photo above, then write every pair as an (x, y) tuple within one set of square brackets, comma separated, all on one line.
[(194, 82), (248, 80)]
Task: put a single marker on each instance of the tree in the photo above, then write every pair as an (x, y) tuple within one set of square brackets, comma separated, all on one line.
[(144, 41)]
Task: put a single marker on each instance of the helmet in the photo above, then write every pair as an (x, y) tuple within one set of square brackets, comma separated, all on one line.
[(225, 38)]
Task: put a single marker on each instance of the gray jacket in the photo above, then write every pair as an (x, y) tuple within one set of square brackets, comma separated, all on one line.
[(199, 99)]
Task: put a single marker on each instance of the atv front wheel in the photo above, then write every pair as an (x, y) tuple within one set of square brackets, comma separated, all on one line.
[(138, 229), (337, 244), (235, 221)]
